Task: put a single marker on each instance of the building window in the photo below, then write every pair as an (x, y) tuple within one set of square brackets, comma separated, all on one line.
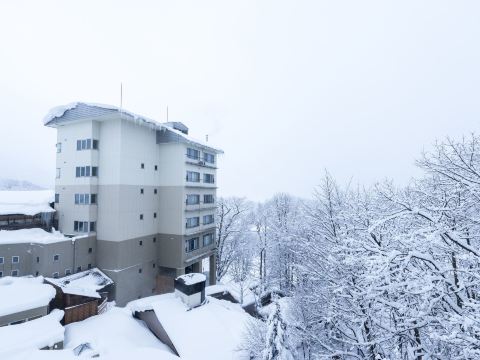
[(142, 166), (38, 259), (89, 266), (57, 198), (141, 191), (79, 268), (56, 257), (153, 265), (209, 158), (15, 259), (192, 222), (59, 147), (207, 219), (90, 250), (154, 215), (208, 178), (140, 243), (80, 226), (95, 171), (55, 275), (140, 270), (79, 145), (93, 226), (193, 199), (95, 144), (36, 273), (208, 199), (68, 271), (191, 244), (14, 272), (93, 198), (1, 260), (193, 154), (154, 239), (1, 273), (58, 173), (81, 171), (141, 216), (87, 144), (155, 191), (193, 176), (156, 167), (207, 239)]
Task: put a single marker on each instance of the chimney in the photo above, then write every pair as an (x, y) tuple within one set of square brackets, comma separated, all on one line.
[(191, 289)]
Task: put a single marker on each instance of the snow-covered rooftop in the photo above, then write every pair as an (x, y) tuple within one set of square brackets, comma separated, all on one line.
[(84, 283), (26, 202), (222, 325), (23, 293), (117, 335), (233, 289), (59, 112), (34, 236), (34, 334), (193, 278)]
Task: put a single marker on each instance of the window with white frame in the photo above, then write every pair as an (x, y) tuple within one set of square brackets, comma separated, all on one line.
[(192, 222), (55, 275), (208, 199), (207, 239), (209, 158), (1, 260), (193, 199), (80, 226), (193, 176), (56, 257), (208, 178), (191, 244), (208, 219), (193, 154), (15, 259)]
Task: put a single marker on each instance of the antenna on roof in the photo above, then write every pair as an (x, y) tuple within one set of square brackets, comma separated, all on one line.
[(167, 113), (206, 138), (121, 95)]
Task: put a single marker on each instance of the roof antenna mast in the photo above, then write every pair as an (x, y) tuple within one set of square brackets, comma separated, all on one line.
[(167, 113)]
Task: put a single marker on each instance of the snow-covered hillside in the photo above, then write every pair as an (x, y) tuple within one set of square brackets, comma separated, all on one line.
[(18, 185)]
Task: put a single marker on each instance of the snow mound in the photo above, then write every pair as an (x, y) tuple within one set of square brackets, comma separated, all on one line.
[(35, 334), (23, 293), (30, 236)]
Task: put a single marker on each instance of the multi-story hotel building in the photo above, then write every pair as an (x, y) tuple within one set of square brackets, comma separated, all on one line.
[(145, 190)]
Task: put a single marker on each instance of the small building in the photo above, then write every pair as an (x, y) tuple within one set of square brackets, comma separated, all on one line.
[(81, 295), (43, 333), (27, 209), (24, 299)]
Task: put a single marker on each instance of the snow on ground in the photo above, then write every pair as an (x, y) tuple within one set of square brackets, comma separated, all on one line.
[(234, 289), (34, 334), (211, 331), (23, 293), (115, 332), (84, 283), (26, 202), (34, 236)]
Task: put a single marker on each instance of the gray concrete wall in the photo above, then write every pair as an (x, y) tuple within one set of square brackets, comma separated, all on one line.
[(38, 259), (24, 315)]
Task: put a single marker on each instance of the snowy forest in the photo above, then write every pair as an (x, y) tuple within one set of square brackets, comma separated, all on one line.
[(380, 272)]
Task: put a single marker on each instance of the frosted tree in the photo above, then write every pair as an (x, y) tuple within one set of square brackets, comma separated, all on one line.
[(276, 337)]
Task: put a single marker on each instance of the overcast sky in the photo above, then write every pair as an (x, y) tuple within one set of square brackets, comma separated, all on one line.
[(286, 88)]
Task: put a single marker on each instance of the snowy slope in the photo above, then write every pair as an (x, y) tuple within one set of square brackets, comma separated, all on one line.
[(18, 185)]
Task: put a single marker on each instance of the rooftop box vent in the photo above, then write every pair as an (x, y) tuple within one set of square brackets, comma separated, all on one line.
[(191, 289), (177, 126)]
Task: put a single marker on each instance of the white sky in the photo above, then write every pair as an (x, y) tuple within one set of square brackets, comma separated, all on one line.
[(286, 88)]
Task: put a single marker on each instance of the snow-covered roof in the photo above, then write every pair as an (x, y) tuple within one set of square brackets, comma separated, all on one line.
[(116, 334), (31, 236), (26, 202), (191, 279), (23, 293), (233, 289), (84, 283), (58, 113), (223, 324), (34, 334)]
